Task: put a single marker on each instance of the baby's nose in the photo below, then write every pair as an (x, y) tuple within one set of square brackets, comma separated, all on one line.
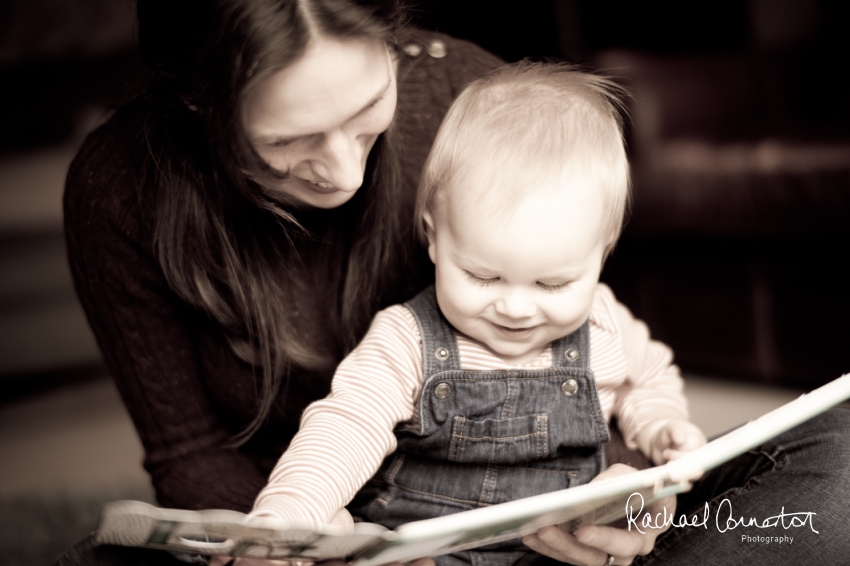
[(515, 305)]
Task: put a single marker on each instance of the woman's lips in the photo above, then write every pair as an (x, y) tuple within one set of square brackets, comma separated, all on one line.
[(320, 187)]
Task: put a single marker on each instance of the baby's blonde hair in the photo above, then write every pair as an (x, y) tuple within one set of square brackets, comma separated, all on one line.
[(533, 122)]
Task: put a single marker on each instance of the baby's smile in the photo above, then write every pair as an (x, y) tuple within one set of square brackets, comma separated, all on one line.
[(515, 332)]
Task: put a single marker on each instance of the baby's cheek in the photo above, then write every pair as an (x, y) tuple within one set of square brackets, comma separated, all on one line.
[(458, 306), (467, 299), (567, 314)]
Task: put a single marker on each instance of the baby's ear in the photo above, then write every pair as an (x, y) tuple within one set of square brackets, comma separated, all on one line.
[(429, 233)]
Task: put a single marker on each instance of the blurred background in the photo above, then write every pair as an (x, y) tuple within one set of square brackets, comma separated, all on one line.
[(733, 254)]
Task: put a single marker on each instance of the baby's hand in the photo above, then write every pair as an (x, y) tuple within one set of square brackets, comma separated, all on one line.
[(342, 518), (673, 440)]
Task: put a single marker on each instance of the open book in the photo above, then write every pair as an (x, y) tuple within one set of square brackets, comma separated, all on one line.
[(132, 523)]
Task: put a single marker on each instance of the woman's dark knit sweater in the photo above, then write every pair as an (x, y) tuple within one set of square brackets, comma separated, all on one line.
[(186, 391)]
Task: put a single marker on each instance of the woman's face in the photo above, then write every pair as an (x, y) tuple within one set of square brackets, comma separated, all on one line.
[(318, 118)]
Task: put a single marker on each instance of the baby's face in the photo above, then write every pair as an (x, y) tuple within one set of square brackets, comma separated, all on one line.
[(517, 275)]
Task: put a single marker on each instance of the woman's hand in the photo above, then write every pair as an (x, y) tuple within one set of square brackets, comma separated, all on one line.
[(591, 545)]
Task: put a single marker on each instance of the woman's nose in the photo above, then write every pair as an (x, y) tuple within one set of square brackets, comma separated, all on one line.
[(341, 162)]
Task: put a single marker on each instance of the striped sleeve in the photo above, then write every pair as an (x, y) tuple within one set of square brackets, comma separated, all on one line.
[(344, 438), (638, 381)]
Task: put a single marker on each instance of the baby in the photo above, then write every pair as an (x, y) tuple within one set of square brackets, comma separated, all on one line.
[(497, 382)]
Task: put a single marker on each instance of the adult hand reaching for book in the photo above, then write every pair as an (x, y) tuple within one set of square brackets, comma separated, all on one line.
[(597, 545)]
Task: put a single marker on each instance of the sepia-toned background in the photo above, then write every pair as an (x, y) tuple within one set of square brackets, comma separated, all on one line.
[(734, 253)]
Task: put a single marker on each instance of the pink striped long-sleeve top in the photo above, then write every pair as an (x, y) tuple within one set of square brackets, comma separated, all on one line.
[(344, 437)]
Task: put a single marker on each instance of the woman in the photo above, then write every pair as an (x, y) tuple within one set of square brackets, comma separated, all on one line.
[(220, 239), (232, 231)]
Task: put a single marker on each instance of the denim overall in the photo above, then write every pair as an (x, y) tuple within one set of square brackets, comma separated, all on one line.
[(487, 437)]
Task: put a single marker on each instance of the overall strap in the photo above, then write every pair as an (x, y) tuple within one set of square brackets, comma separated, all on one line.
[(573, 351), (439, 345)]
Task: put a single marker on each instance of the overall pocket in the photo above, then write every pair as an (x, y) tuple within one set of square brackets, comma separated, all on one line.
[(499, 441)]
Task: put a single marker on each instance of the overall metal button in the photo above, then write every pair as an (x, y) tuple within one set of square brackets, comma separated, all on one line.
[(571, 354), (442, 353), (442, 390), (569, 387)]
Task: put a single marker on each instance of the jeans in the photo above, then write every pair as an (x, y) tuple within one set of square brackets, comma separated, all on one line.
[(805, 470)]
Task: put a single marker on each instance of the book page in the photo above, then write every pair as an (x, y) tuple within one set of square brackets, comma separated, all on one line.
[(133, 523)]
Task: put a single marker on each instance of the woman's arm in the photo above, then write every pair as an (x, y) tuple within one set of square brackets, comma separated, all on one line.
[(148, 336)]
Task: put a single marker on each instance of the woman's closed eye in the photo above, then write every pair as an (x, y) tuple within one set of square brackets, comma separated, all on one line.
[(283, 142), (277, 143), (288, 142), (374, 104)]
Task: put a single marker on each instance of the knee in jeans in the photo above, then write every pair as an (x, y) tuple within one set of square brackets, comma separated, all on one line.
[(825, 440)]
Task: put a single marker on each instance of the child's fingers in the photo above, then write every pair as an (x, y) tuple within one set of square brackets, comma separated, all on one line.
[(692, 441), (342, 518), (677, 436), (662, 439), (685, 435), (692, 438), (659, 444), (672, 454)]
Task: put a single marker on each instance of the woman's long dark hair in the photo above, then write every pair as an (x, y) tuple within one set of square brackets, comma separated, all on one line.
[(227, 247)]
